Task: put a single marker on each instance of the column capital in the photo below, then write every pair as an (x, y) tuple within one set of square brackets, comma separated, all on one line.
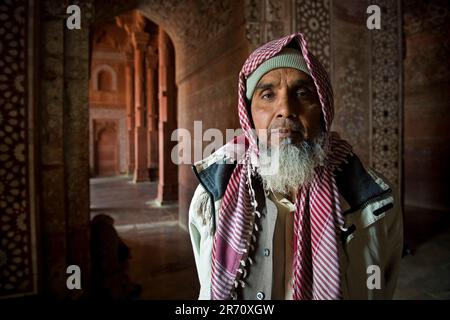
[(129, 56), (140, 40), (131, 22)]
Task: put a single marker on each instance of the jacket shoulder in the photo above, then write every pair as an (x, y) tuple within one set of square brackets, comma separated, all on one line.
[(200, 211), (359, 185)]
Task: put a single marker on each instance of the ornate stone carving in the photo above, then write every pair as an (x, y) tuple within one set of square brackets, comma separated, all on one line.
[(16, 267), (265, 21), (114, 115), (350, 115), (386, 69), (313, 19), (185, 26), (270, 19)]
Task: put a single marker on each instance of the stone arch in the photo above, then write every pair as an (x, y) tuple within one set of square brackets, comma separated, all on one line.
[(108, 70), (208, 52), (106, 150)]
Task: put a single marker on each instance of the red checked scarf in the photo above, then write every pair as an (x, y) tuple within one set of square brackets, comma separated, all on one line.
[(318, 213)]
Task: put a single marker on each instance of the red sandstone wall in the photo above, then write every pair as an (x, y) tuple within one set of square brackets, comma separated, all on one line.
[(107, 100), (207, 91), (426, 104)]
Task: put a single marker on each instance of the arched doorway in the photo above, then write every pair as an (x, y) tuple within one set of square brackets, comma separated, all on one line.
[(106, 155)]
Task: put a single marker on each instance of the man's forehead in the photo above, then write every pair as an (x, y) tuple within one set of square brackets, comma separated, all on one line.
[(290, 74)]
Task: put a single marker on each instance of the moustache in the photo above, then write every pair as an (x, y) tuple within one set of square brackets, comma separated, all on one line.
[(287, 126)]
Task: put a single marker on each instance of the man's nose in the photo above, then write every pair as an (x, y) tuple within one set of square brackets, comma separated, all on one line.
[(286, 109)]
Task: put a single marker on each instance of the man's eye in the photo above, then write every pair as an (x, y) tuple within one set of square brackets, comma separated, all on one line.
[(267, 95), (303, 92)]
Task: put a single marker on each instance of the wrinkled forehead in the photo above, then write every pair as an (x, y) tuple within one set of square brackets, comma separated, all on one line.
[(292, 76)]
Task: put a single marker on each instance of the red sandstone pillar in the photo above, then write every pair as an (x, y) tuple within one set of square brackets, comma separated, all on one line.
[(140, 42), (168, 171), (130, 113), (152, 112)]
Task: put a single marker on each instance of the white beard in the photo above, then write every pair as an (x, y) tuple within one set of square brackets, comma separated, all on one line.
[(287, 167)]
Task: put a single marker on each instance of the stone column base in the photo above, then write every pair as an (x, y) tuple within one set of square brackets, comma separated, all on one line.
[(153, 174), (167, 194), (140, 175)]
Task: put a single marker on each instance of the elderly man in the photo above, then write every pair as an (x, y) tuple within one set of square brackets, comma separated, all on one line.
[(287, 210)]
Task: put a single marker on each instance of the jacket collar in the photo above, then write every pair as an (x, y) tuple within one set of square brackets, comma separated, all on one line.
[(215, 171), (355, 184)]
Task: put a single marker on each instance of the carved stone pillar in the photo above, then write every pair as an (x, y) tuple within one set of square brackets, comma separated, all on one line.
[(168, 171), (152, 112), (267, 20), (129, 82), (140, 42)]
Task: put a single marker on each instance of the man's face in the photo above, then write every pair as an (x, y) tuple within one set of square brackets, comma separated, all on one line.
[(285, 102)]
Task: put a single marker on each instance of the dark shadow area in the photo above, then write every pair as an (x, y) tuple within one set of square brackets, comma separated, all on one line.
[(110, 262), (421, 225), (161, 259), (163, 262)]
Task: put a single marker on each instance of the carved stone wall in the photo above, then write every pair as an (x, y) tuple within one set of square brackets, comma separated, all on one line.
[(110, 43), (17, 198), (108, 114), (266, 20), (364, 65), (190, 21), (351, 70), (271, 19), (63, 133), (313, 19), (190, 27), (386, 94), (106, 147)]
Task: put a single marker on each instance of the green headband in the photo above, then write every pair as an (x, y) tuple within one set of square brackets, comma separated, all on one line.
[(286, 58)]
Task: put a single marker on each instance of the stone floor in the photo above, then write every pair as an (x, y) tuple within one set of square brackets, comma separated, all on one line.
[(161, 256), (425, 271), (130, 204), (162, 261)]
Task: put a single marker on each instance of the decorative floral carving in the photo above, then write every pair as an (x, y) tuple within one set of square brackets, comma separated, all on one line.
[(350, 115), (264, 21), (190, 23), (15, 246), (313, 19), (269, 19), (385, 70)]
